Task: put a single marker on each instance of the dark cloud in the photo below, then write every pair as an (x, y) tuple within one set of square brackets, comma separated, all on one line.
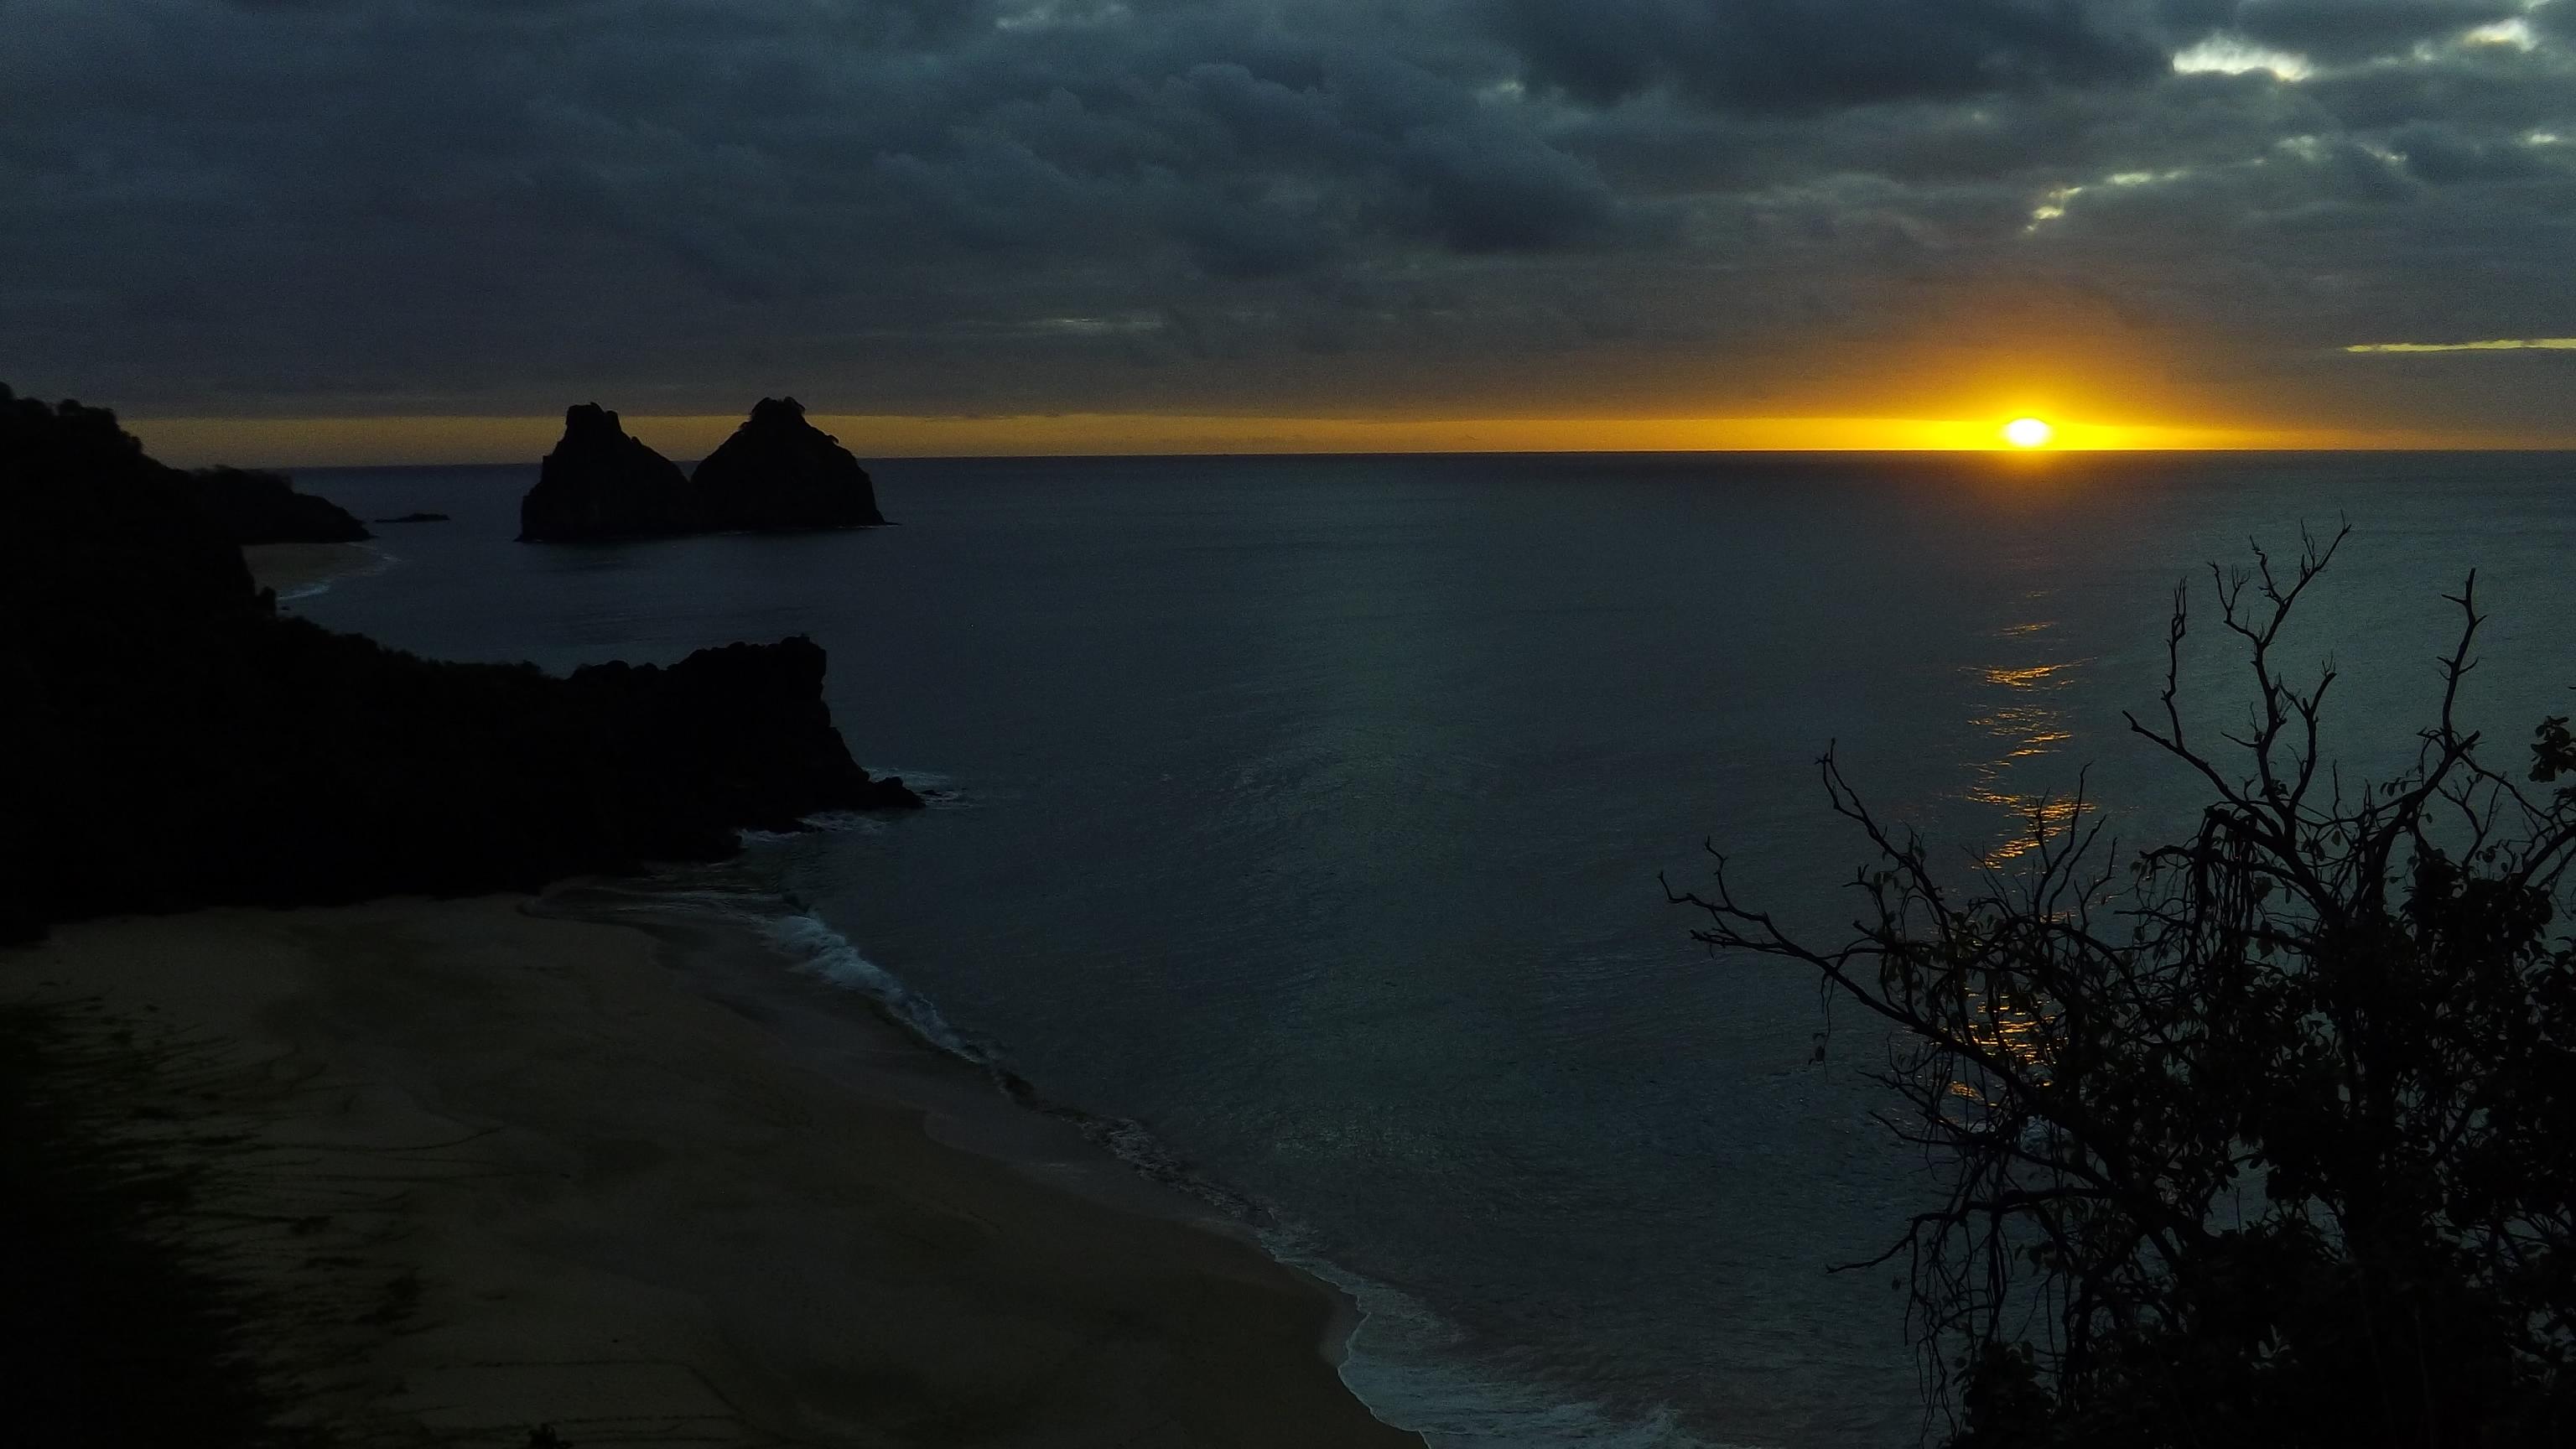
[(1811, 55), (2444, 155), (968, 205)]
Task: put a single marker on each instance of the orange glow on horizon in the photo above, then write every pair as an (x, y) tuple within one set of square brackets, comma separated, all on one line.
[(324, 442)]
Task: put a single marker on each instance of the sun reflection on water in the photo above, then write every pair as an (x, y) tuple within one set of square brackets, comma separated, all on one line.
[(2024, 722), (2003, 1031)]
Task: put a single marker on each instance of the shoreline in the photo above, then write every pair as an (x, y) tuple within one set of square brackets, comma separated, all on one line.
[(967, 1100), (301, 570), (630, 1179)]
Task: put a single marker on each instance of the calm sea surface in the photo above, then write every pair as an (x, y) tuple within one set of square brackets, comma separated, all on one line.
[(1309, 812)]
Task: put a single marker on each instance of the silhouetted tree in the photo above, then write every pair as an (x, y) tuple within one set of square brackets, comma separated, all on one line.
[(2272, 1140)]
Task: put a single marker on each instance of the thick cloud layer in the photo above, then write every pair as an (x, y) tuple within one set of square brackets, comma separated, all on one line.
[(1471, 206), (1818, 55)]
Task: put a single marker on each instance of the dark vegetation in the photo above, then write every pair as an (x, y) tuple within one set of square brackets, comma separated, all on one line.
[(169, 742), (2265, 1136), (250, 506), (776, 473)]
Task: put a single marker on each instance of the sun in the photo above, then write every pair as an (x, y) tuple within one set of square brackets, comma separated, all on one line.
[(2028, 433)]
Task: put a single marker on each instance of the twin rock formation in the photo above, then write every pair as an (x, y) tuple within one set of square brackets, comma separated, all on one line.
[(777, 472)]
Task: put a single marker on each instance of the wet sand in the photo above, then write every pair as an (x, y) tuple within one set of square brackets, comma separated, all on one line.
[(526, 1170)]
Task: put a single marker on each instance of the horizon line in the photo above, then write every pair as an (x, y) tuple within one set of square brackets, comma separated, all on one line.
[(496, 440)]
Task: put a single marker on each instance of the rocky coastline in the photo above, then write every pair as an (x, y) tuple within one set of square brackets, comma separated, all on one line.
[(173, 742)]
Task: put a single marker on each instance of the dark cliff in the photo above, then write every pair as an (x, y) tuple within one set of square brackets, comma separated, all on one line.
[(779, 471), (250, 506), (169, 742), (599, 483)]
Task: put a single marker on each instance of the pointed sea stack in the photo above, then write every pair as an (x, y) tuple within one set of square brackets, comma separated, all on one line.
[(780, 472), (599, 483)]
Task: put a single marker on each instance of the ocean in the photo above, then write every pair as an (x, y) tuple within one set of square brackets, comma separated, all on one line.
[(1308, 819)]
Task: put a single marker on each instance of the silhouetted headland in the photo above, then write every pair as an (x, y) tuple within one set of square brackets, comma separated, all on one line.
[(253, 506), (777, 473), (172, 742), (416, 518)]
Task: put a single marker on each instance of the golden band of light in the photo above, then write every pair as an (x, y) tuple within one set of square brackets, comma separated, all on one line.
[(322, 442)]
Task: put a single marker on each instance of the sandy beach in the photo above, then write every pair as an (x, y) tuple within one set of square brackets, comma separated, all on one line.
[(647, 1188), (290, 568)]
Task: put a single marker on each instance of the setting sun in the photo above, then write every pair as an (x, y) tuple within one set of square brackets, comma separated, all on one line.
[(2028, 433)]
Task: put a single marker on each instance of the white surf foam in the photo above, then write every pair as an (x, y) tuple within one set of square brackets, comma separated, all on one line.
[(811, 945), (1414, 1370), (1410, 1366), (381, 562)]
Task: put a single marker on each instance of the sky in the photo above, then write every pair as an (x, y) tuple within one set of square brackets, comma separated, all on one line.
[(379, 230)]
